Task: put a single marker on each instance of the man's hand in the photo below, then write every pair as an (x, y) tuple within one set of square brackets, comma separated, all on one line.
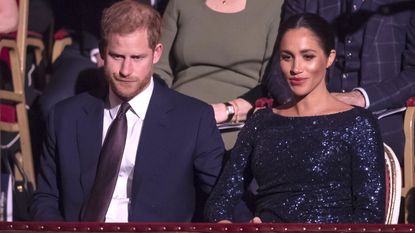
[(353, 98)]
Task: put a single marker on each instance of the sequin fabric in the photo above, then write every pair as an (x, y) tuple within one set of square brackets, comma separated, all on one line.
[(317, 169)]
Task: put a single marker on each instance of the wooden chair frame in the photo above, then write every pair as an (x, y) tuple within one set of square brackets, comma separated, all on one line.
[(17, 51), (393, 186), (58, 47), (409, 161)]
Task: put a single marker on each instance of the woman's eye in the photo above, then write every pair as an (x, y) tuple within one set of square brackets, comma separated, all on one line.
[(285, 57), (308, 57)]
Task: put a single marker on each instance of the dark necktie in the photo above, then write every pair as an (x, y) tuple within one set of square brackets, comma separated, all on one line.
[(108, 168)]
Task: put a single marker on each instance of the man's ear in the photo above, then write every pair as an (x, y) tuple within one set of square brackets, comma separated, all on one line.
[(101, 48), (158, 50), (331, 58)]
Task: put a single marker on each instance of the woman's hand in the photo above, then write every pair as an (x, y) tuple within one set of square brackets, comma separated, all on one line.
[(255, 220), (220, 112), (242, 108)]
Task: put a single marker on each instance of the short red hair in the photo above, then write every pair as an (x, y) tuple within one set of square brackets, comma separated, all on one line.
[(127, 16)]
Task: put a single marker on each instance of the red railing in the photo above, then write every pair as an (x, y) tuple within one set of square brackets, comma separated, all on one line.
[(66, 227)]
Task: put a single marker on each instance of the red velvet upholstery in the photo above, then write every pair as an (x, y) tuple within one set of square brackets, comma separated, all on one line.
[(60, 34), (264, 102), (410, 102)]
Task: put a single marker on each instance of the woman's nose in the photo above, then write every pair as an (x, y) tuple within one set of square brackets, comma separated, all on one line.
[(296, 67)]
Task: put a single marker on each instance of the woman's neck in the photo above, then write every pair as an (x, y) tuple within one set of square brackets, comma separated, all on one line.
[(314, 104), (226, 6)]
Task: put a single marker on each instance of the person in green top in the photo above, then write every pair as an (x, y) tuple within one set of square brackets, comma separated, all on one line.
[(217, 50)]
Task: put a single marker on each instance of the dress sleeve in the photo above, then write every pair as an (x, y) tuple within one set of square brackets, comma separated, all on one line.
[(164, 68), (235, 176), (368, 172)]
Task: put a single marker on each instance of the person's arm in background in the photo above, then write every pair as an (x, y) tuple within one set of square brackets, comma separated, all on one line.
[(164, 68), (9, 16), (390, 92)]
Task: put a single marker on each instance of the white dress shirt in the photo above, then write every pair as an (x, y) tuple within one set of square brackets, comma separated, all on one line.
[(119, 206)]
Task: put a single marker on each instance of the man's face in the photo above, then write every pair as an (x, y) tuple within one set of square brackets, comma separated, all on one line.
[(128, 63)]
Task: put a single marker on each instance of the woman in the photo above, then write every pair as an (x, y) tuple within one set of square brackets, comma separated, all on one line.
[(216, 50), (317, 160)]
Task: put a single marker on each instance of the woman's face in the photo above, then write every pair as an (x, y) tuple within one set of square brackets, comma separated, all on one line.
[(303, 61)]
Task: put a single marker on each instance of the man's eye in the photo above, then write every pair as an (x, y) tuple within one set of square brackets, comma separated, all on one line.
[(116, 57)]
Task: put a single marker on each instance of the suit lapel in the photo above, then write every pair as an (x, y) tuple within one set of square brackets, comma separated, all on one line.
[(89, 135)]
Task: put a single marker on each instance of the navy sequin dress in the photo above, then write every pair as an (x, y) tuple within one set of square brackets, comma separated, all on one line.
[(317, 169)]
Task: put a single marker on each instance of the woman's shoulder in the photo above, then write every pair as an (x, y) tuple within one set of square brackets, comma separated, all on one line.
[(186, 3), (364, 113), (265, 8), (360, 117), (183, 4), (268, 5), (262, 112), (259, 116)]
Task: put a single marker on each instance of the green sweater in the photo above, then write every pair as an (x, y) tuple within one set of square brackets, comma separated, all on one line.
[(215, 56)]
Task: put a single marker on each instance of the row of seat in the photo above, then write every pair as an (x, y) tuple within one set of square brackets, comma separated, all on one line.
[(14, 117), (16, 44)]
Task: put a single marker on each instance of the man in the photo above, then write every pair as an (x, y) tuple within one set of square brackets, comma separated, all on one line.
[(375, 66), (75, 70), (173, 150)]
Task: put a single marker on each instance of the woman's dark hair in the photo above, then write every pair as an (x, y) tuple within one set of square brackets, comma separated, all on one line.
[(319, 26)]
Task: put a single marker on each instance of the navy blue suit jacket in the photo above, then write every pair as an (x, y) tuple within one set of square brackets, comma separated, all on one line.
[(179, 154)]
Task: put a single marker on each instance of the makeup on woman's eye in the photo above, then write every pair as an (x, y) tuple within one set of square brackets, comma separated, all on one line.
[(285, 56), (308, 57)]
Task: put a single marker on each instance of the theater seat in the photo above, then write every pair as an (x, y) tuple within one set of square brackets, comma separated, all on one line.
[(393, 186), (16, 48)]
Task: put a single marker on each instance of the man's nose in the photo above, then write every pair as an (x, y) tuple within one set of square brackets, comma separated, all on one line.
[(126, 68)]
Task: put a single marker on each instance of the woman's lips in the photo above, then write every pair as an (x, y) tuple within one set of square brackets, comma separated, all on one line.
[(297, 81)]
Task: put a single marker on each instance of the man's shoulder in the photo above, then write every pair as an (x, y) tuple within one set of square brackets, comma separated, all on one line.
[(78, 101)]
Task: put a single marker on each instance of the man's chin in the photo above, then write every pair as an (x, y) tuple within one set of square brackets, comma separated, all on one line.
[(124, 96), (127, 90)]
